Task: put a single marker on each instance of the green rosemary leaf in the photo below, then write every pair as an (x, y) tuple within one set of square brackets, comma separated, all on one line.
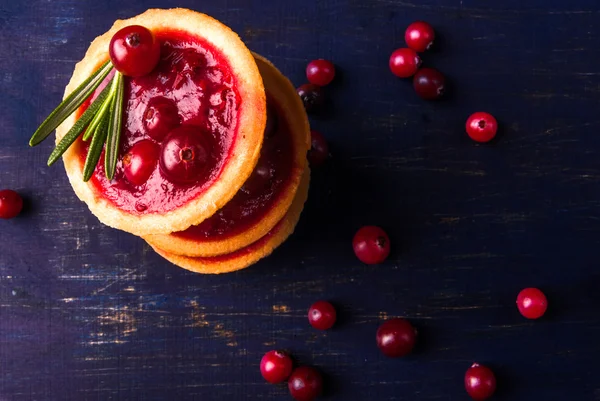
[(114, 128), (95, 149), (104, 108), (70, 104), (78, 127)]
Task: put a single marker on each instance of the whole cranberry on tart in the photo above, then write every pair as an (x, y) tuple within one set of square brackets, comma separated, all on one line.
[(203, 106)]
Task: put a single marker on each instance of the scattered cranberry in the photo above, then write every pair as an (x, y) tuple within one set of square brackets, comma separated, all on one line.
[(320, 72), (312, 97), (396, 337), (185, 154), (404, 62), (276, 366), (480, 382), (481, 126), (532, 303), (322, 315), (140, 161), (371, 245), (429, 83), (134, 51), (160, 117), (419, 36), (319, 150), (305, 383), (11, 204)]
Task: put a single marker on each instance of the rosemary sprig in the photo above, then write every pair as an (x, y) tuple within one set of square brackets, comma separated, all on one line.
[(101, 120), (70, 104)]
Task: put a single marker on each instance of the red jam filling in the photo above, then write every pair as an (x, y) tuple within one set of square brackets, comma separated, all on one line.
[(186, 112), (260, 192)]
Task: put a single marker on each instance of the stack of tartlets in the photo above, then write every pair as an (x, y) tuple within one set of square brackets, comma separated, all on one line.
[(212, 168)]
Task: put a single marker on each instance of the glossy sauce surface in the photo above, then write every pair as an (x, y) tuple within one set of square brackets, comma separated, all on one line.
[(195, 77), (261, 191)]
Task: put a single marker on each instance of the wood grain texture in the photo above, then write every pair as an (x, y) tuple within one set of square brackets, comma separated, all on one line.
[(89, 313)]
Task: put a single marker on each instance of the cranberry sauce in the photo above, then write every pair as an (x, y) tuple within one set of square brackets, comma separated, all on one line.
[(188, 107), (261, 190)]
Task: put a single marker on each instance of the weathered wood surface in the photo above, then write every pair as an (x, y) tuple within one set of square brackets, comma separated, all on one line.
[(89, 313)]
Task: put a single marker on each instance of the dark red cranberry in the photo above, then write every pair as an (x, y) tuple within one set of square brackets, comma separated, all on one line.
[(260, 178), (404, 62), (532, 303), (140, 161), (480, 382), (319, 150), (11, 204), (419, 36), (429, 83), (305, 384), (134, 51), (276, 366), (396, 338), (312, 97), (322, 315), (320, 72), (185, 154), (481, 126), (160, 117), (371, 245), (272, 121)]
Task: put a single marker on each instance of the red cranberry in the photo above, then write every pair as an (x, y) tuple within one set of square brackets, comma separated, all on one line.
[(160, 117), (134, 51), (140, 161), (532, 303), (320, 72), (419, 36), (396, 338), (319, 150), (322, 315), (429, 83), (312, 97), (260, 178), (185, 154), (11, 204), (481, 126), (305, 383), (404, 62), (276, 366), (371, 245), (480, 382)]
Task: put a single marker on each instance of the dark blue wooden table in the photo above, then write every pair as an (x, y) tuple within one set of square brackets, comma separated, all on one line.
[(90, 313)]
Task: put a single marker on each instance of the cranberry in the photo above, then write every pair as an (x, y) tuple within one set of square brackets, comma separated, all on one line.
[(134, 51), (481, 126), (404, 62), (480, 382), (419, 36), (11, 204), (322, 315), (319, 150), (320, 72), (160, 117), (276, 366), (396, 337), (532, 303), (260, 178), (305, 383), (371, 245), (140, 161), (185, 154), (312, 97), (429, 83)]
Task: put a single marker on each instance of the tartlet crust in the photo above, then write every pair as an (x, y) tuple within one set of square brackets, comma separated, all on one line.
[(244, 153), (284, 93), (253, 253)]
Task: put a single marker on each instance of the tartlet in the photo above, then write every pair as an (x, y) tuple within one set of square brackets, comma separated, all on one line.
[(212, 58), (266, 197)]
